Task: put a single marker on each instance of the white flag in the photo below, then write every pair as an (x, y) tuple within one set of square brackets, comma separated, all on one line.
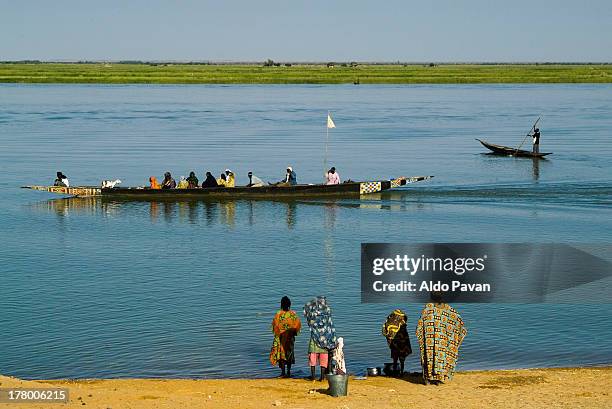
[(330, 123)]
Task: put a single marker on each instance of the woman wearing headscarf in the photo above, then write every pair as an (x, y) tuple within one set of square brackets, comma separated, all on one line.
[(322, 334), (222, 181), (440, 332), (210, 181), (231, 178), (332, 177), (394, 329), (285, 326), (168, 182), (193, 181), (153, 184), (61, 180), (182, 184)]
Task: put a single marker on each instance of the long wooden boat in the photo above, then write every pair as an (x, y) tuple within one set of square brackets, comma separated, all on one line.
[(508, 151), (348, 189)]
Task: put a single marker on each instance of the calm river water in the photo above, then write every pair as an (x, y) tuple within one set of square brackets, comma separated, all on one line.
[(107, 289)]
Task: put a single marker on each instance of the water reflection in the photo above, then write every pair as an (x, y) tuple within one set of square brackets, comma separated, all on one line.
[(221, 212), (535, 167)]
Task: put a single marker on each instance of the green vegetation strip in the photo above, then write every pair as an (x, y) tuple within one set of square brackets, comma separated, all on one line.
[(120, 73)]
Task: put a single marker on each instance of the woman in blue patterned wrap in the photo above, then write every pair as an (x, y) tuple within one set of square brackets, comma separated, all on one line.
[(322, 334)]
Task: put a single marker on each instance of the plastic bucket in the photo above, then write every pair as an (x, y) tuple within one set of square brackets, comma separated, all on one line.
[(338, 385)]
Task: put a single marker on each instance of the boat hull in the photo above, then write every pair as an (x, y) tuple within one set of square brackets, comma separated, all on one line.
[(351, 189), (508, 151)]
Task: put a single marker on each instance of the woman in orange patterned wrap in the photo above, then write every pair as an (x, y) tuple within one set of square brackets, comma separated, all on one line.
[(440, 332), (285, 325)]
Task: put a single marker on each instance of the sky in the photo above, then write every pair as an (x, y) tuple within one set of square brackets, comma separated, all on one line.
[(314, 30)]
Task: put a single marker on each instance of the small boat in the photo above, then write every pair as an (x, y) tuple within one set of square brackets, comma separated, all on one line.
[(508, 151), (271, 192)]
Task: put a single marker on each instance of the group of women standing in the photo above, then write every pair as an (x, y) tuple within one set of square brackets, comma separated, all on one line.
[(440, 332)]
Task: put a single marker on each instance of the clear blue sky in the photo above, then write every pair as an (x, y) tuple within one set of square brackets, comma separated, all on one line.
[(314, 30)]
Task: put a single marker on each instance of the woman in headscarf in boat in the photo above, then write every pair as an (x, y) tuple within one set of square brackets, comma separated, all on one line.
[(285, 326), (222, 181), (168, 182), (231, 179), (210, 181), (61, 180), (322, 334), (333, 178), (193, 181), (182, 184), (440, 332), (291, 176), (153, 184), (394, 329), (289, 180)]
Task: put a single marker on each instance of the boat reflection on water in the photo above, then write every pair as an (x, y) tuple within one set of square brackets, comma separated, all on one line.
[(192, 212), (230, 213), (209, 212)]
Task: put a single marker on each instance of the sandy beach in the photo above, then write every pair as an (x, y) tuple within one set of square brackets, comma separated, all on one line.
[(533, 388)]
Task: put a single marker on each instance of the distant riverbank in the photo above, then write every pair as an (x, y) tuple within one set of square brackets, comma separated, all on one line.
[(534, 388), (275, 73)]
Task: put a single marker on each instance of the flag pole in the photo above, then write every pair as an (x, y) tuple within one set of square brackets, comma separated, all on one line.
[(326, 143)]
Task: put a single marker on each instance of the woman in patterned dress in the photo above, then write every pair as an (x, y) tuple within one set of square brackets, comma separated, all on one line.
[(323, 337), (394, 329), (440, 332), (285, 326)]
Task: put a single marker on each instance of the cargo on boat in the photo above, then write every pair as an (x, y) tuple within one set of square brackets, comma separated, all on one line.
[(347, 189)]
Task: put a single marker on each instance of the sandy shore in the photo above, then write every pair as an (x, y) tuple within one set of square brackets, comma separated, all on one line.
[(533, 388)]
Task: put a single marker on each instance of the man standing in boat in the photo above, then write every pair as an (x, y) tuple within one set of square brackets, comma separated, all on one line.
[(536, 140)]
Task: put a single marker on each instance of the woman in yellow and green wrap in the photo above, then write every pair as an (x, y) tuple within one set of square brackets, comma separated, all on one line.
[(394, 329), (285, 326)]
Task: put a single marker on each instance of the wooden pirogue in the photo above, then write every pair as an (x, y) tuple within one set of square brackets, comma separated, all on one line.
[(508, 151), (348, 189)]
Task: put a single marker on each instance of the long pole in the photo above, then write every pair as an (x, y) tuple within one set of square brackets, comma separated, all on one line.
[(326, 143), (528, 133)]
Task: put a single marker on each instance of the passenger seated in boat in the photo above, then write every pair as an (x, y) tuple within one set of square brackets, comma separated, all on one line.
[(183, 184), (168, 182), (290, 178), (333, 178), (193, 181), (61, 180), (153, 183), (210, 181), (222, 181), (254, 181), (231, 179)]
